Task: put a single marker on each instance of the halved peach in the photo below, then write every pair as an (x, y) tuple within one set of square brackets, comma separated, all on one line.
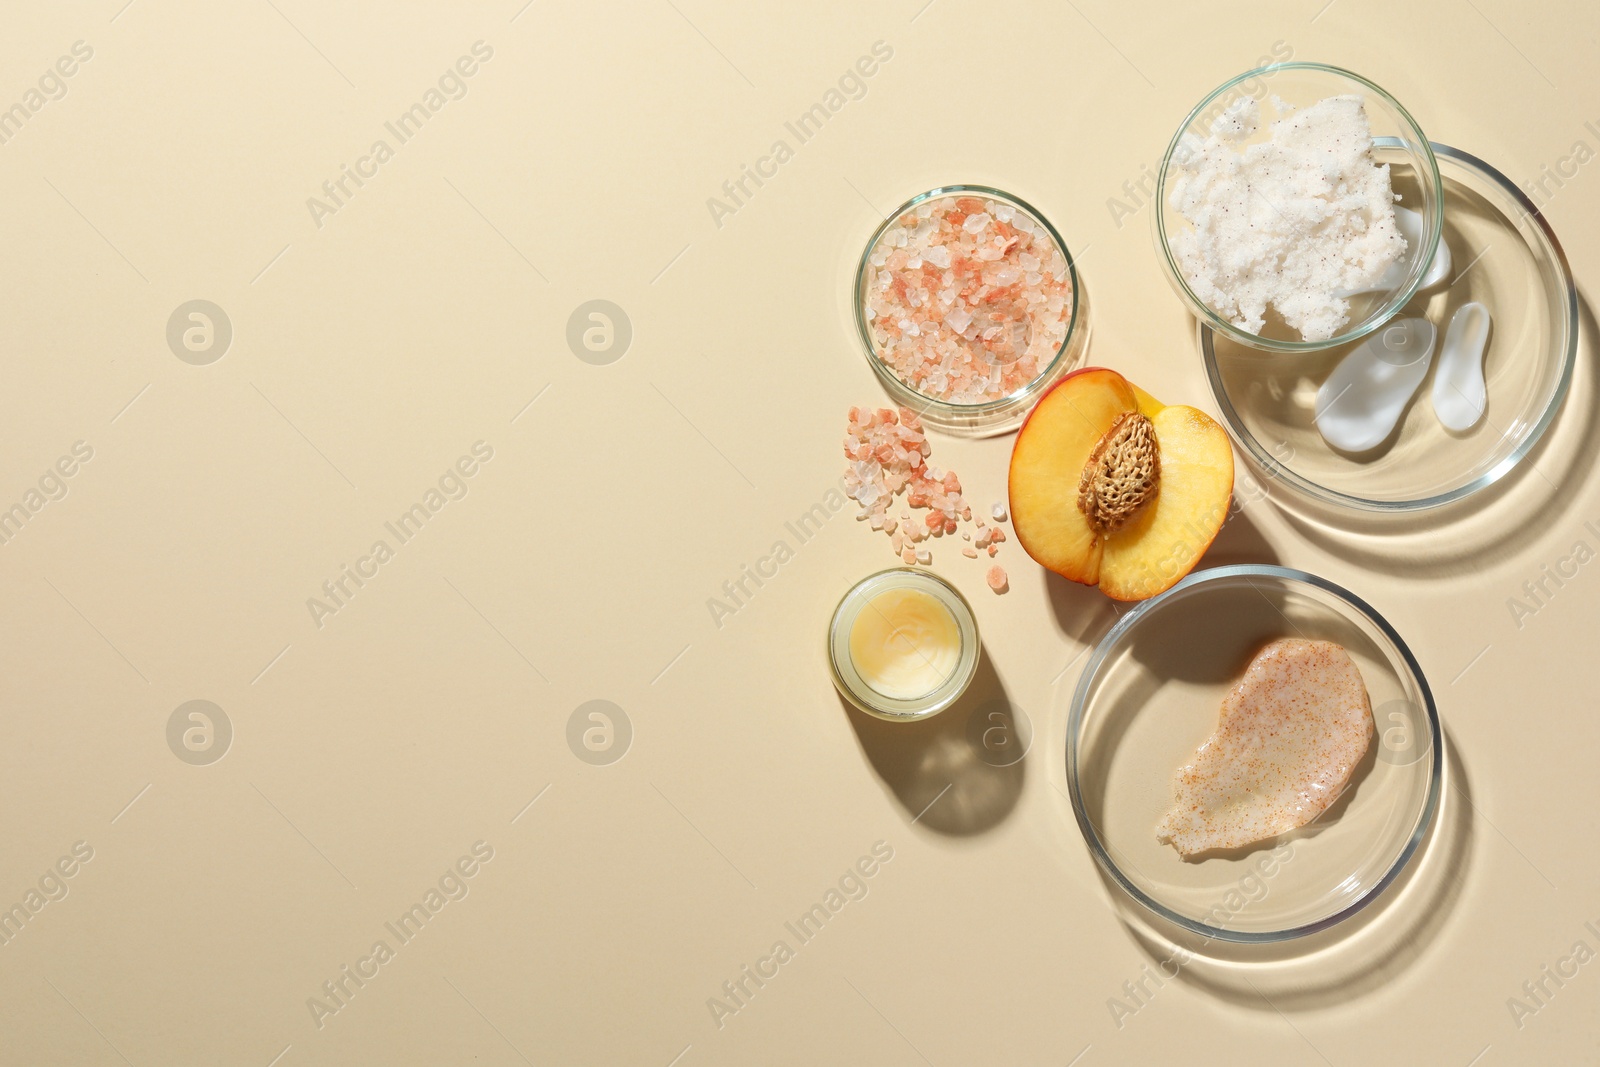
[(1110, 487)]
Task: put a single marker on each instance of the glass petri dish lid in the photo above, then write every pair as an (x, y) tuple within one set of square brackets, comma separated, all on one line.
[(1505, 256), (1018, 344), (1151, 694)]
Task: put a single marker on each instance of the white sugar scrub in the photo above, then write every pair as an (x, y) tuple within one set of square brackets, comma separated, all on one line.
[(1294, 223)]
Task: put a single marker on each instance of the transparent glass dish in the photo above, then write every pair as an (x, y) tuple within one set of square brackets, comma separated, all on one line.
[(856, 689), (1151, 694), (1400, 143), (1504, 256), (995, 416)]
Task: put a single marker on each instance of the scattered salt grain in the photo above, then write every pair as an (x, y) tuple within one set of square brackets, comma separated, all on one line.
[(886, 453), (997, 579), (998, 511)]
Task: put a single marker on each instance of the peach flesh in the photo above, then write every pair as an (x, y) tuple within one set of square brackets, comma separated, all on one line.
[(1166, 536)]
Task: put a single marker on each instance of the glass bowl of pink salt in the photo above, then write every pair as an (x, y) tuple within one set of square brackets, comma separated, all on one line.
[(969, 307)]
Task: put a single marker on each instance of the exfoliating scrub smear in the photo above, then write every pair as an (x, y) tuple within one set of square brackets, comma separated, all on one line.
[(969, 307), (1303, 169)]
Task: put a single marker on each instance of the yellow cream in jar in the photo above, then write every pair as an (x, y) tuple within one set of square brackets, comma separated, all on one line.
[(905, 643)]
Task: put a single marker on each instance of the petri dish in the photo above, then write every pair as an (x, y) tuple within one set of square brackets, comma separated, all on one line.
[(1504, 256), (1150, 696)]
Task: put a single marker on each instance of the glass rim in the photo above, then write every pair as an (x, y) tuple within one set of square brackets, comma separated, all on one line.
[(1397, 300), (864, 332), (1270, 464), (1102, 853)]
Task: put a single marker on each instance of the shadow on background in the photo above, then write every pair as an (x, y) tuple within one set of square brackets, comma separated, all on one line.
[(1085, 614), (959, 772), (1239, 541)]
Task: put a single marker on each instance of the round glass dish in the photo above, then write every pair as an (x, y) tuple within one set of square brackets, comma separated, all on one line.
[(1505, 256), (1002, 413), (1399, 142), (856, 689), (1150, 695)]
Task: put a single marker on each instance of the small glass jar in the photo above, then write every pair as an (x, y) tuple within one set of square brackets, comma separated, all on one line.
[(1399, 144), (855, 685)]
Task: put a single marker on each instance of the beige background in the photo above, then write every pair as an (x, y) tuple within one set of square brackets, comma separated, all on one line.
[(426, 314)]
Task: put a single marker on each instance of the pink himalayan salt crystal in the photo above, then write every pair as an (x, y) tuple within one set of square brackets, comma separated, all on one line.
[(967, 298), (970, 552), (887, 455), (997, 579)]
